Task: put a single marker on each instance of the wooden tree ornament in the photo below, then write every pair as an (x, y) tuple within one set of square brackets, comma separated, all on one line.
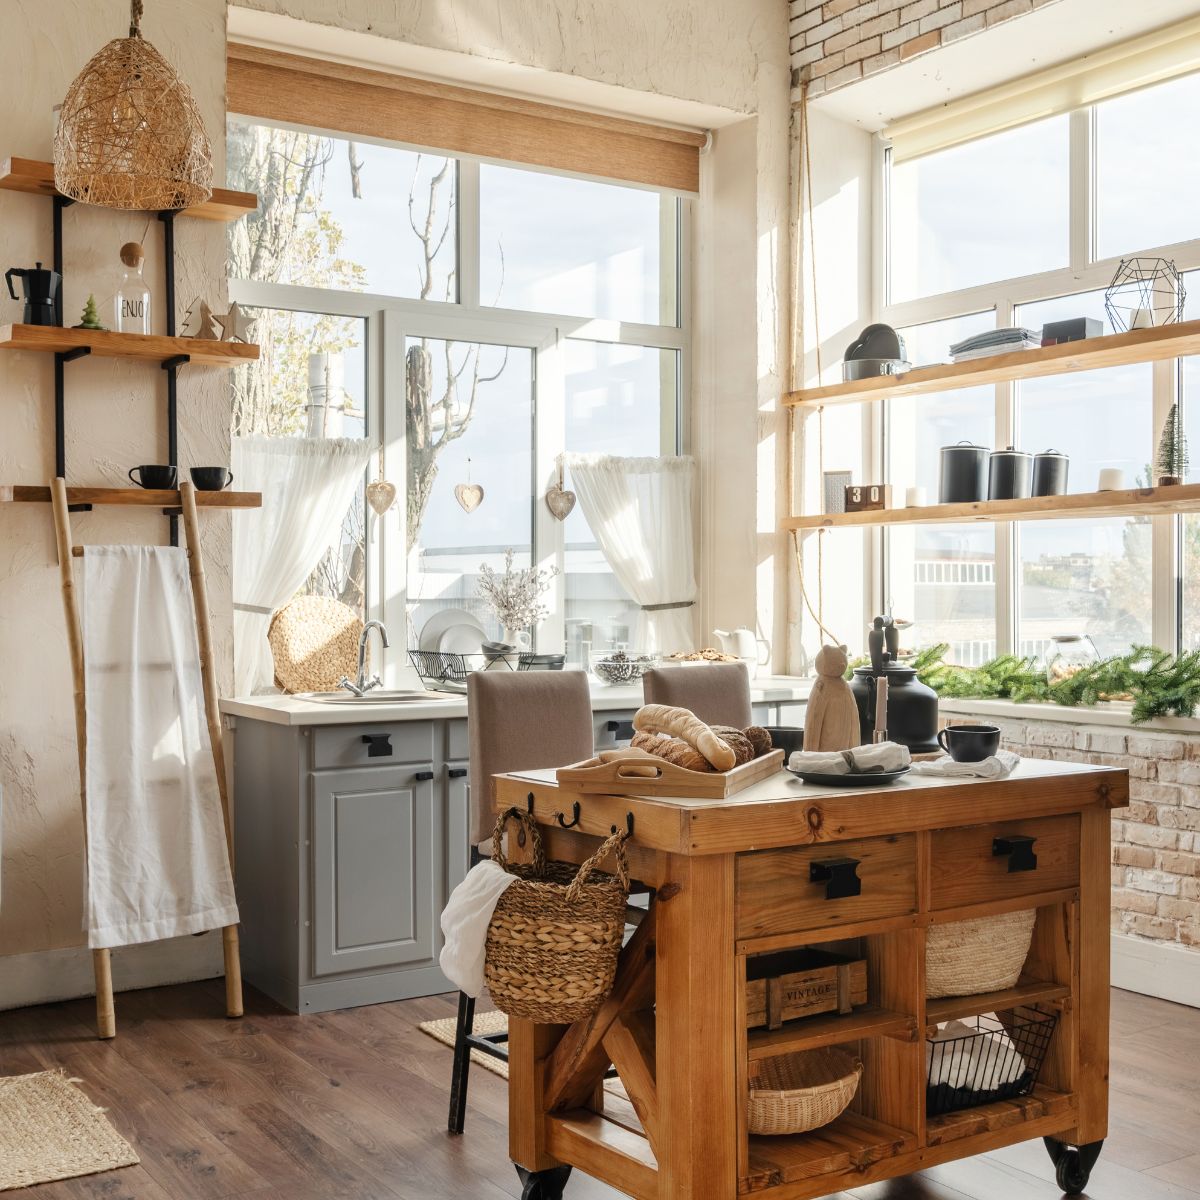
[(831, 719)]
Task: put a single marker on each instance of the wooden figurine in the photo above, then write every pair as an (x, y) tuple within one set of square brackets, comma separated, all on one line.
[(831, 720)]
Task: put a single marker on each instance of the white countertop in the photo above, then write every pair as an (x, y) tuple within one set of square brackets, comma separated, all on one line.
[(288, 710)]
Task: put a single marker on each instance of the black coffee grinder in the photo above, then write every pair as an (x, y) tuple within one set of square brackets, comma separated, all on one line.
[(41, 293)]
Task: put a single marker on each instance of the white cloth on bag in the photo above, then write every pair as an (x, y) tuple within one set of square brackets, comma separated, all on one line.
[(465, 921), (640, 512), (1000, 764), (885, 756), (307, 485), (157, 860)]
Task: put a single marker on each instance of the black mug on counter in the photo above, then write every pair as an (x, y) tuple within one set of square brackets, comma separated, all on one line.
[(969, 743), (211, 479), (155, 478)]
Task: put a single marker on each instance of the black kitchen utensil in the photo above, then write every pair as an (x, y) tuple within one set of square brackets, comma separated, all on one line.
[(1050, 473), (211, 479), (1010, 474), (963, 473), (878, 350), (40, 286), (155, 477)]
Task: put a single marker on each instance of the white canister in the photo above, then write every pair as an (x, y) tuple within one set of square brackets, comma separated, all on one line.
[(1112, 479), (915, 497)]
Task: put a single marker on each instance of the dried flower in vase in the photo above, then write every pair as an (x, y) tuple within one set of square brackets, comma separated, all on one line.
[(515, 596)]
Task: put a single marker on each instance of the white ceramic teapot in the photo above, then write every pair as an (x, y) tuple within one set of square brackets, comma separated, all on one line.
[(742, 643)]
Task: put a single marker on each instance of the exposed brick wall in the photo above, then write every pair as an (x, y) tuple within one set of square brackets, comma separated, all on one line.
[(1156, 840), (835, 42)]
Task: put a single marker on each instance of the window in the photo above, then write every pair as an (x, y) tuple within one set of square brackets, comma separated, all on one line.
[(478, 322), (995, 223)]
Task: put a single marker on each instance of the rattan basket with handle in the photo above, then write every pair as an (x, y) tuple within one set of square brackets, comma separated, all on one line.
[(797, 1092), (984, 954), (552, 944)]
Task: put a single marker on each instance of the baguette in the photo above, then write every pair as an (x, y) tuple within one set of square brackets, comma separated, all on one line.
[(684, 724)]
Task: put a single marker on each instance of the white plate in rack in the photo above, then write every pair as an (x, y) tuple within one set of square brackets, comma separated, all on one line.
[(441, 622)]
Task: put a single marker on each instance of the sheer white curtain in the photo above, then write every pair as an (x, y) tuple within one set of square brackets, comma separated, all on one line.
[(640, 512), (307, 485)]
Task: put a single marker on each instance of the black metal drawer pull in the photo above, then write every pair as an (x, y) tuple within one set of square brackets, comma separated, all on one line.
[(839, 875), (379, 745), (457, 772), (1019, 849), (422, 776)]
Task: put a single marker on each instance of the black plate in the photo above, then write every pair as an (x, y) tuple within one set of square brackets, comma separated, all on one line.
[(853, 779)]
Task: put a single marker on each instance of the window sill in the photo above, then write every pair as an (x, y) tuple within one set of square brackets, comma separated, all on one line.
[(1110, 713)]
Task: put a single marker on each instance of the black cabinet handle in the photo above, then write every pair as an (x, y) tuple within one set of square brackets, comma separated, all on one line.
[(1019, 849), (622, 729), (379, 745), (839, 875), (422, 776), (456, 772)]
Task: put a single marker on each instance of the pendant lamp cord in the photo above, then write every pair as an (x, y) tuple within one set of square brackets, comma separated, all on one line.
[(135, 18)]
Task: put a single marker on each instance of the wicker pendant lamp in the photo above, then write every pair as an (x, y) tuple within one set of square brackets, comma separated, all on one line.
[(130, 134)]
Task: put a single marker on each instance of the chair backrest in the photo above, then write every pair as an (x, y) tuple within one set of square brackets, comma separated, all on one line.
[(718, 693), (523, 721)]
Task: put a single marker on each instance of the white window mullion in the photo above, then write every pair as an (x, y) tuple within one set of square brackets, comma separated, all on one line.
[(550, 435), (1007, 543), (390, 564), (468, 233), (1165, 558), (1083, 189)]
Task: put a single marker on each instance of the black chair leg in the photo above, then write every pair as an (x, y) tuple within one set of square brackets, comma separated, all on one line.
[(462, 1063)]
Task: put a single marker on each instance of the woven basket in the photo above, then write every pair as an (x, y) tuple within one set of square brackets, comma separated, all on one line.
[(985, 954), (554, 936), (314, 642), (797, 1092)]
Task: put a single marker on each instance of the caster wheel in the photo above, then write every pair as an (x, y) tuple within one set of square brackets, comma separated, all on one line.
[(1072, 1165), (543, 1185)]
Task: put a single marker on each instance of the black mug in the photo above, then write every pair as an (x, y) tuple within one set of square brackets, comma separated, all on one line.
[(156, 478), (969, 743), (211, 479)]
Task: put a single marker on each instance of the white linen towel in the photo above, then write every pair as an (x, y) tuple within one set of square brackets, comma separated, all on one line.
[(465, 921), (958, 1056), (886, 756), (157, 861), (1002, 763)]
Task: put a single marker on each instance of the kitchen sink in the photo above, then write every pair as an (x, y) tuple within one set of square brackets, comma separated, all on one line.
[(378, 696)]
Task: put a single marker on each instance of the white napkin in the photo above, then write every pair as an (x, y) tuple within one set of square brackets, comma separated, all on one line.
[(886, 756), (985, 1063), (465, 921), (998, 766)]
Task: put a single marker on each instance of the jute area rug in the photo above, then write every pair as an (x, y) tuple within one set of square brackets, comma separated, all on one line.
[(50, 1130), (490, 1022)]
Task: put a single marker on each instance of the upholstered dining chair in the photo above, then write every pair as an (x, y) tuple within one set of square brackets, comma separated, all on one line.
[(718, 693), (516, 721)]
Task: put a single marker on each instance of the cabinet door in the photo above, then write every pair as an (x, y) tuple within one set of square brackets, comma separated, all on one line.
[(376, 848)]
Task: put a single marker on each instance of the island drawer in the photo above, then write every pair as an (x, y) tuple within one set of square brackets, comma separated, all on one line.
[(373, 745), (834, 883), (978, 863)]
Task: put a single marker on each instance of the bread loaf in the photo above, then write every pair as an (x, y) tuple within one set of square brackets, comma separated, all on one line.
[(684, 724)]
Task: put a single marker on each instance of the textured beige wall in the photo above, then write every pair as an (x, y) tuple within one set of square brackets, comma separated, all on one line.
[(115, 419), (731, 53)]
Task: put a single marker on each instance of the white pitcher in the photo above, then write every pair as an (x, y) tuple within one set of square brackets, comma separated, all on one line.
[(742, 643)]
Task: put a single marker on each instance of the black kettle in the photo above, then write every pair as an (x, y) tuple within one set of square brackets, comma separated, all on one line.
[(41, 293)]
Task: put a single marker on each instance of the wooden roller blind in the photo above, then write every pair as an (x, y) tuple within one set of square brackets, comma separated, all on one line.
[(274, 86)]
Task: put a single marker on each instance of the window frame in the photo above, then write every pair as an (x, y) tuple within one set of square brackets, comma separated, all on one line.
[(391, 320), (1084, 273)]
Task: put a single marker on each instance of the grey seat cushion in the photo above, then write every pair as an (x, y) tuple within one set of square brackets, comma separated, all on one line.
[(718, 693)]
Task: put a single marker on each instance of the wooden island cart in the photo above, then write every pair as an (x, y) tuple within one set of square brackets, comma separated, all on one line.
[(782, 866)]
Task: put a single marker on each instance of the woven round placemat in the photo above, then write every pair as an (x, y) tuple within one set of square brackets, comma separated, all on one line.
[(50, 1130), (314, 642)]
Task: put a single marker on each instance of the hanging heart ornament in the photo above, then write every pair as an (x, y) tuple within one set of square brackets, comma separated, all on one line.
[(469, 495), (381, 495), (559, 501)]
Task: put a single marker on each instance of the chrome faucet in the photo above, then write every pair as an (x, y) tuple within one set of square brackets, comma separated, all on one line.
[(363, 685)]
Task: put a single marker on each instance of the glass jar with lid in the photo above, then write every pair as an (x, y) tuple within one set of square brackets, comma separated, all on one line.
[(1072, 653)]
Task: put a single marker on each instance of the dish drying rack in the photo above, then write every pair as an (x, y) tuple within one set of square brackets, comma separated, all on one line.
[(444, 671)]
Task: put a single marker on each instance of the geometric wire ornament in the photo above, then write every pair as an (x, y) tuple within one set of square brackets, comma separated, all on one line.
[(130, 133), (1144, 292)]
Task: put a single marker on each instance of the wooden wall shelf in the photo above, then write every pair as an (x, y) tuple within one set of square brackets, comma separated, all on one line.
[(1113, 350), (30, 175), (104, 343), (17, 493), (1134, 502)]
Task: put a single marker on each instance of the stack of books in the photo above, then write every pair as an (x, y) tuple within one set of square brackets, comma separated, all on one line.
[(995, 341)]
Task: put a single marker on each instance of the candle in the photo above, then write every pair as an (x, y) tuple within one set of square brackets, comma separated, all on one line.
[(914, 497), (1112, 479)]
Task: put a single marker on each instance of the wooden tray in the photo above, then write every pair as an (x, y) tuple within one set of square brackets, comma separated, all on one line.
[(623, 777)]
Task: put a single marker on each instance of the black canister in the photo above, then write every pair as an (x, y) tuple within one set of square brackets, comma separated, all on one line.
[(912, 708), (963, 473), (1010, 474), (1050, 473)]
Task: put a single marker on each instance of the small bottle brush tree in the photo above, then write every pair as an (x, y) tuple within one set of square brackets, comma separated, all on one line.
[(1171, 464), (91, 317)]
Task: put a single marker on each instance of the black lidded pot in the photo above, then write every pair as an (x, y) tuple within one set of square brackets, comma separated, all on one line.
[(1010, 474), (962, 473), (1050, 473), (912, 708)]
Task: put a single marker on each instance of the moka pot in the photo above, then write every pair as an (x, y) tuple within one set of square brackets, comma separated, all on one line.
[(40, 285)]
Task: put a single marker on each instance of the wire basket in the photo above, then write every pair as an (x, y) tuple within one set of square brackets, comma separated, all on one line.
[(994, 1056), (443, 671)]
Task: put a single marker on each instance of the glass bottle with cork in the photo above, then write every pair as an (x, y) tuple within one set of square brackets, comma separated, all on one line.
[(132, 302)]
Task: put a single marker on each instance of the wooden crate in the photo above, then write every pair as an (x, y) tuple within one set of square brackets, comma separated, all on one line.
[(801, 983), (632, 777)]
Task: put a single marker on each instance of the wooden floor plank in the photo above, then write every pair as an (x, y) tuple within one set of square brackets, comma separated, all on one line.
[(353, 1104)]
